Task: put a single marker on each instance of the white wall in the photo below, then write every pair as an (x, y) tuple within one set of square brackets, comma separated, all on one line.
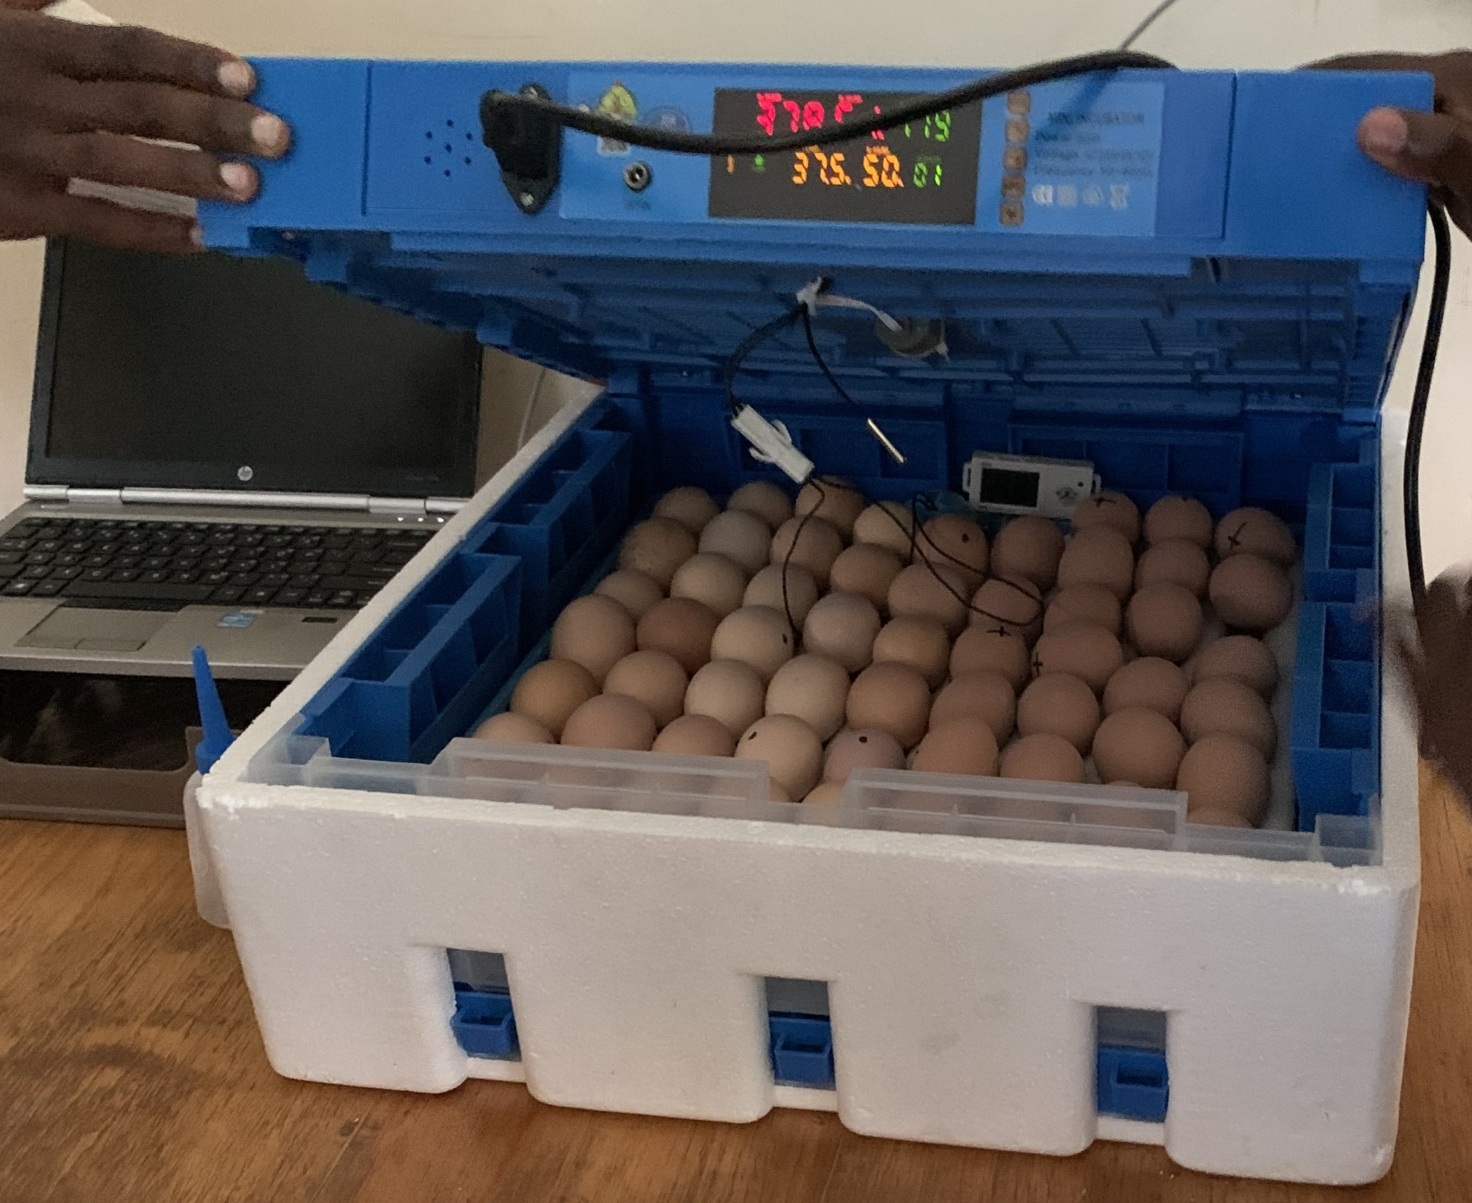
[(1225, 33)]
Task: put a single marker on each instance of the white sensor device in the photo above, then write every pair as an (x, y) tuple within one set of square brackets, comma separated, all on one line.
[(1020, 484)]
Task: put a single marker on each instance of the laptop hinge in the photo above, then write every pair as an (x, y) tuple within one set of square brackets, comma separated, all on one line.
[(45, 493), (94, 496), (397, 505)]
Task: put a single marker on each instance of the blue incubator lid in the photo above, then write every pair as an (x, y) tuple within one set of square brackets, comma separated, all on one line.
[(1141, 243)]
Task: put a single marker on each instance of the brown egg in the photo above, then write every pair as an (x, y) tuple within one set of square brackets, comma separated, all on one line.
[(1242, 658), (1009, 602), (1079, 649), (1256, 532), (1174, 562), (1251, 594), (868, 749), (681, 627), (1043, 757), (1098, 555), (809, 542), (812, 688), (741, 537), (1085, 603), (656, 548), (935, 591), (1179, 518), (922, 643), (958, 541), (1148, 683), (983, 648), (893, 698), (766, 500), (833, 499), (633, 590), (692, 508), (843, 626), (716, 582), (866, 570), (1059, 705), (798, 599), (1110, 509), (595, 632), (653, 678), (779, 793), (887, 524), (728, 691), (1138, 745), (756, 635), (1222, 772), (509, 728), (610, 721), (792, 753), (1165, 621), (550, 691), (825, 793), (695, 735), (962, 745), (984, 695), (1216, 818), (1030, 548), (1226, 707)]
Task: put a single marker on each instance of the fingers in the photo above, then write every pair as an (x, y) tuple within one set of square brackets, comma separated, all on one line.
[(151, 110), (92, 52), (1434, 148), (110, 159), (105, 224)]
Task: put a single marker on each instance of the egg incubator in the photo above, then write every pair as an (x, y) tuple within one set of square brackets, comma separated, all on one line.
[(1183, 283)]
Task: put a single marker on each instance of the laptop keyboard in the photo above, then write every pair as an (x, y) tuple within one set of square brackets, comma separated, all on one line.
[(202, 563)]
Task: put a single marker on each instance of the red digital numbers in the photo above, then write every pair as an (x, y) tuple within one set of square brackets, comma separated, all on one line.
[(774, 110)]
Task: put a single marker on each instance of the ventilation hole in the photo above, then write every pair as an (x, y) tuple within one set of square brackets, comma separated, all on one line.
[(429, 134), (449, 125), (447, 173), (449, 150), (470, 137), (468, 163)]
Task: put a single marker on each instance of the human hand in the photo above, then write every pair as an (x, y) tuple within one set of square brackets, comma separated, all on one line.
[(75, 100), (1434, 650), (1434, 148)]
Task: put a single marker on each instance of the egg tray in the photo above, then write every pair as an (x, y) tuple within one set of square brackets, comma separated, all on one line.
[(451, 652)]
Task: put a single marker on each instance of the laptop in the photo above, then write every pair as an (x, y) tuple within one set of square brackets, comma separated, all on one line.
[(222, 453)]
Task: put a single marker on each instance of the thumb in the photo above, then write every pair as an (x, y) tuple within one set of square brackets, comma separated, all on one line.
[(1431, 147)]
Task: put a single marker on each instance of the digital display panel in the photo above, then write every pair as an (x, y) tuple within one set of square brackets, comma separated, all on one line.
[(1006, 486), (921, 173)]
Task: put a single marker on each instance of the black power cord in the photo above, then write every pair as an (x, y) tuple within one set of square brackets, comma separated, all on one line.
[(508, 118), (1440, 287)]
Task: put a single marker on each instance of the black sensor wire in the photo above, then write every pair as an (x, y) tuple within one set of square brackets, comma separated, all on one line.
[(1431, 344)]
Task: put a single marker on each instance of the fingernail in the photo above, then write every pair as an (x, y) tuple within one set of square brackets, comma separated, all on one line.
[(239, 178), (196, 236), (1384, 132), (269, 134), (237, 78)]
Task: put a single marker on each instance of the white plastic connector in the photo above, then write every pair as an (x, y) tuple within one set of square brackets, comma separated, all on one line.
[(771, 444)]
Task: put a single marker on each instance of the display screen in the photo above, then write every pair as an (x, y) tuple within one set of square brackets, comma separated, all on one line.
[(1006, 486), (923, 173)]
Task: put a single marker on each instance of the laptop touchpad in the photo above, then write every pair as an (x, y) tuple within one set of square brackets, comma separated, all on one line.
[(97, 630)]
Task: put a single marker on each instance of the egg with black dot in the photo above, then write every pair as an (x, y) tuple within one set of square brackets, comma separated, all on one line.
[(1254, 531), (1242, 658), (964, 746), (1224, 773), (1250, 593), (1225, 707), (595, 632), (692, 508), (958, 541), (1029, 547), (984, 695), (893, 698), (1179, 518), (791, 590), (843, 627), (741, 537), (1060, 705), (833, 499), (1165, 621), (810, 542), (1085, 603), (1098, 555), (1140, 746), (635, 591), (866, 570), (812, 688), (712, 580), (510, 728), (765, 500), (756, 635), (681, 627), (935, 591), (1042, 757), (1079, 649), (729, 691), (1174, 562), (792, 753), (611, 721), (695, 735), (985, 648), (1149, 683), (1013, 603), (657, 548), (888, 524), (1111, 509), (861, 749)]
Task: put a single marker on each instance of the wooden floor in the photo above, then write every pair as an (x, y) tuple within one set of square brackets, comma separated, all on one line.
[(131, 1072)]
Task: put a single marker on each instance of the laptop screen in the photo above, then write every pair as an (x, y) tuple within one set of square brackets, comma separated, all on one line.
[(219, 373)]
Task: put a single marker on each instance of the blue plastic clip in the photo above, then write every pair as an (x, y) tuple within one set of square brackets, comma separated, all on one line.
[(217, 734)]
